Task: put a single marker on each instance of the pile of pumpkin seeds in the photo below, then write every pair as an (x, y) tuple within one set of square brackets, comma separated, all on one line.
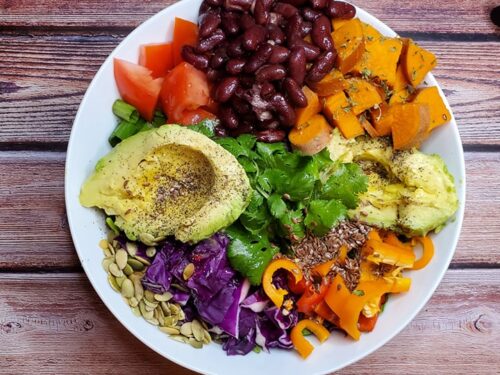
[(126, 269)]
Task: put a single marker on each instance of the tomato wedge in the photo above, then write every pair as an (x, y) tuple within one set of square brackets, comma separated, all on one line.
[(137, 87), (157, 57), (184, 88), (185, 34), (191, 117)]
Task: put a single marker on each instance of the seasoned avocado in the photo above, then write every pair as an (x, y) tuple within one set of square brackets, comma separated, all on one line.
[(430, 198), (409, 192), (168, 181)]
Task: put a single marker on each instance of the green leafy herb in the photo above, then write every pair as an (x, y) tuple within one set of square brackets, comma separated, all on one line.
[(293, 194), (205, 127), (359, 293), (249, 253)]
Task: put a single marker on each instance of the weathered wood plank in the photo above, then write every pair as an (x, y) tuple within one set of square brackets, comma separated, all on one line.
[(55, 323), (34, 232), (409, 16), (43, 79)]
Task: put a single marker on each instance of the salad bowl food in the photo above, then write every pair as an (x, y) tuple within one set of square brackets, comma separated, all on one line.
[(89, 144)]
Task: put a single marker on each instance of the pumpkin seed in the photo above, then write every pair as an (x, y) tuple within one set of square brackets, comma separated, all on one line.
[(127, 288), (108, 253), (165, 307), (115, 270), (170, 330), (149, 295), (136, 311), (195, 344), (179, 338), (186, 329), (106, 262), (188, 271), (174, 309), (133, 302), (112, 282), (120, 280), (131, 248), (144, 261), (103, 244), (150, 251), (147, 314), (153, 305), (128, 270), (171, 321), (180, 287), (197, 329), (138, 289), (121, 258), (111, 249), (163, 297), (135, 264), (207, 339), (181, 315), (153, 321), (147, 239)]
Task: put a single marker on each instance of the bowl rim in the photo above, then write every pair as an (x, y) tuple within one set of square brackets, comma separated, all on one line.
[(459, 215)]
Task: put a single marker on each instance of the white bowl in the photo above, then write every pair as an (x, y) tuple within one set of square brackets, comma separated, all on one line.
[(88, 142)]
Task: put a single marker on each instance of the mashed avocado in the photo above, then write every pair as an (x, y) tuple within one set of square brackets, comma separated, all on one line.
[(409, 192), (168, 181)]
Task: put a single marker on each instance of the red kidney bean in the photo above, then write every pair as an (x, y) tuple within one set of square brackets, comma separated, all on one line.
[(214, 75), (322, 66), (190, 56), (311, 51), (273, 72), (339, 9), (320, 34), (276, 34), (267, 90), (253, 37), (241, 5), (228, 117), (235, 66), (219, 58), (226, 89), (295, 93), (235, 47), (220, 131), (276, 18), (240, 106), (279, 55), (305, 28), (247, 21), (214, 3), (310, 14), (261, 11), (270, 136), (207, 44), (318, 4), (294, 26), (230, 22), (204, 7), (246, 80), (286, 10), (295, 3), (259, 58), (297, 65), (209, 22), (285, 111)]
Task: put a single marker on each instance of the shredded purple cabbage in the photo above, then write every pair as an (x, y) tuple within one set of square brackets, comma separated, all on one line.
[(219, 296)]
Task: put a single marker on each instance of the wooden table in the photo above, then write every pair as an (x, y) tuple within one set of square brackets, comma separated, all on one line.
[(51, 320)]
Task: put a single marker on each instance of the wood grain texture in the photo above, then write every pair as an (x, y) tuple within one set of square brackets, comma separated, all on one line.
[(43, 79), (407, 16), (34, 232), (55, 323)]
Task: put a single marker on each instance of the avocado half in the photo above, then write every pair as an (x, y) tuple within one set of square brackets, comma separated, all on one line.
[(168, 181)]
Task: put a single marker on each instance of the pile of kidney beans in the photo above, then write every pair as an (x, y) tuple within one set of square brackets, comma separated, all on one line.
[(255, 55)]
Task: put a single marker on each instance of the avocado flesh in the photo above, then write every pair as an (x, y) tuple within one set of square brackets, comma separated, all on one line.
[(408, 192), (168, 181)]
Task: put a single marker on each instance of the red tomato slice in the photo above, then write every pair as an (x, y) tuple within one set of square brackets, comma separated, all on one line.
[(184, 88), (185, 34), (195, 116), (137, 87), (157, 57)]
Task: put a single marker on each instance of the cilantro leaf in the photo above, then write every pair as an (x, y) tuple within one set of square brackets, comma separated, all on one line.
[(322, 215), (249, 254), (346, 182), (205, 127), (256, 217), (277, 205)]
